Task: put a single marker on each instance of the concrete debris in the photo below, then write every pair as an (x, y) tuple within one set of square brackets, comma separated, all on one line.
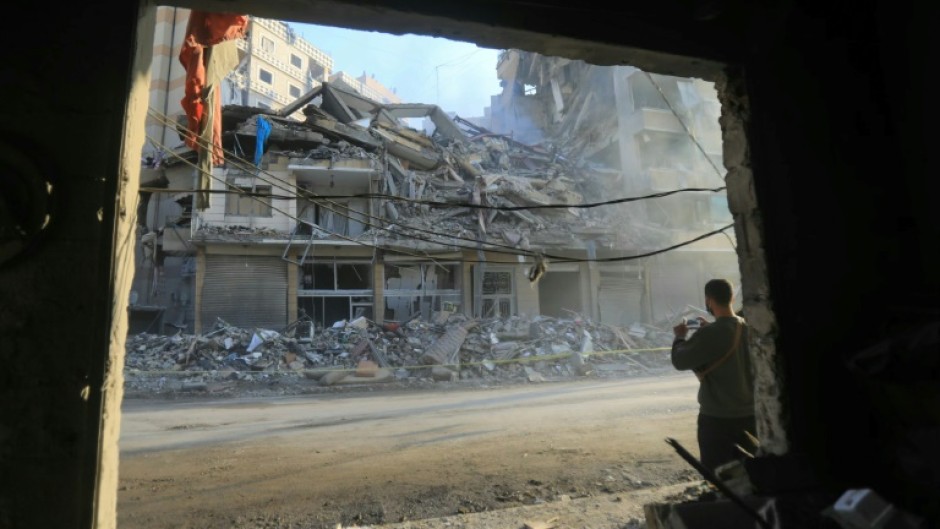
[(514, 348), (435, 172)]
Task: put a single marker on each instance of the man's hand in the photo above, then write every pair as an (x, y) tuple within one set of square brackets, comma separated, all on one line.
[(681, 330)]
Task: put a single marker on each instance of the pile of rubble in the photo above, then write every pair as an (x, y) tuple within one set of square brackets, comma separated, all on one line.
[(452, 347), (449, 186)]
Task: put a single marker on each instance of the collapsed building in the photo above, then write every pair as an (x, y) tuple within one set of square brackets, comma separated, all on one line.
[(818, 101), (400, 211)]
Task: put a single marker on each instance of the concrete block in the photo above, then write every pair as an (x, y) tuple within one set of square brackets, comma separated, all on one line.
[(334, 377)]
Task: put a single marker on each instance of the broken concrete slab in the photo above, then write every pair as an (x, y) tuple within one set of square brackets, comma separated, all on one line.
[(334, 377), (380, 375), (444, 350), (490, 348), (444, 374), (366, 368)]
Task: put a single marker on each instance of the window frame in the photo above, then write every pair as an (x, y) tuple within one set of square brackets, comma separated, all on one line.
[(496, 298), (267, 42), (256, 205)]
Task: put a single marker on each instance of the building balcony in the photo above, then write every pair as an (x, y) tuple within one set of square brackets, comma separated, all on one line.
[(352, 173)]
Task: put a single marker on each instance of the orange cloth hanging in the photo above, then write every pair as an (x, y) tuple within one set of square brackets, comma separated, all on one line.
[(204, 30)]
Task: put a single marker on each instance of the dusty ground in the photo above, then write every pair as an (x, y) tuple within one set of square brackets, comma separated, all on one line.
[(586, 453)]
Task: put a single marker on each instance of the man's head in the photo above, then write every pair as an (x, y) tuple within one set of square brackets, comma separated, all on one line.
[(718, 293)]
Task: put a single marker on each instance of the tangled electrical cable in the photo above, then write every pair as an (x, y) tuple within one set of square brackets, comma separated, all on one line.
[(537, 257)]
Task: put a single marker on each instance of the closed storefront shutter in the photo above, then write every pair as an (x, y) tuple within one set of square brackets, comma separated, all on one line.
[(620, 298), (245, 291)]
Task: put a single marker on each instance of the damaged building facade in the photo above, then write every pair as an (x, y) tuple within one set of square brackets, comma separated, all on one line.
[(652, 134), (352, 213)]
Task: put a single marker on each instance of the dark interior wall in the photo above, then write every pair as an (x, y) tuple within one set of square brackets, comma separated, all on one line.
[(842, 146), (63, 87), (842, 167)]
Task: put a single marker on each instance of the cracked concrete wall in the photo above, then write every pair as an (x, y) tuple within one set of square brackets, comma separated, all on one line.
[(755, 286), (65, 302)]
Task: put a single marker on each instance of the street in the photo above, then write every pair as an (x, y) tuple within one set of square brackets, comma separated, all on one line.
[(382, 457)]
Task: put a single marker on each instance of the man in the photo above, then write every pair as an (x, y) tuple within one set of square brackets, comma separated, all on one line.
[(718, 354)]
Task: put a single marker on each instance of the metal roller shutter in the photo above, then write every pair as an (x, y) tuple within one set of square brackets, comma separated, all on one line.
[(620, 299), (245, 291)]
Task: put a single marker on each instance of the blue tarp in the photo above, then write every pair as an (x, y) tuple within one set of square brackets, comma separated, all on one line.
[(264, 130)]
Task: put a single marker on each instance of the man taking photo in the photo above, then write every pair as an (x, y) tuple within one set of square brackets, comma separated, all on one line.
[(718, 355)]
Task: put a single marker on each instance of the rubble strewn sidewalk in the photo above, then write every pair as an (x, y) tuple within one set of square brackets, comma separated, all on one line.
[(514, 349)]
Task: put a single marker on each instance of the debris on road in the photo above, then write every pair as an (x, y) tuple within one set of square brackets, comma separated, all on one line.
[(515, 348)]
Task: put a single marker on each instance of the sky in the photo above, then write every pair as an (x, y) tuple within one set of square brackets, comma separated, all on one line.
[(457, 76)]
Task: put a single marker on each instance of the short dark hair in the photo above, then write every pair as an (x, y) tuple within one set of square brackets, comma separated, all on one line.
[(719, 290)]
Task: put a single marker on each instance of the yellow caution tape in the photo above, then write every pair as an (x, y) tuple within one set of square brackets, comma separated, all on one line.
[(518, 360)]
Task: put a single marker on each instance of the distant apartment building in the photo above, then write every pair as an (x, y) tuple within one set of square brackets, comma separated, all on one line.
[(167, 79), (276, 66), (383, 93)]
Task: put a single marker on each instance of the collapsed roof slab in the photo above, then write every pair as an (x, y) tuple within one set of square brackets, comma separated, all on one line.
[(410, 147), (350, 133), (441, 120)]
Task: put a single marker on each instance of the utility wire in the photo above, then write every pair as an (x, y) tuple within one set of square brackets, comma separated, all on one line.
[(515, 251), (492, 246), (541, 255), (169, 121), (249, 167), (285, 213), (439, 204), (588, 205)]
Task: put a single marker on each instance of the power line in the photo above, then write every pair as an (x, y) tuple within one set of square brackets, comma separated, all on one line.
[(439, 204), (286, 214), (515, 251), (538, 255), (491, 245), (316, 198)]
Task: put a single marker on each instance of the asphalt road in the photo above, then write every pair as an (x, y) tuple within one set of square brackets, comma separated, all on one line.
[(383, 457)]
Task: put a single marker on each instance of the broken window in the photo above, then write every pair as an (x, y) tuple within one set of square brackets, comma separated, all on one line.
[(339, 217), (333, 291), (249, 200), (265, 76), (421, 289), (499, 294), (296, 61)]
